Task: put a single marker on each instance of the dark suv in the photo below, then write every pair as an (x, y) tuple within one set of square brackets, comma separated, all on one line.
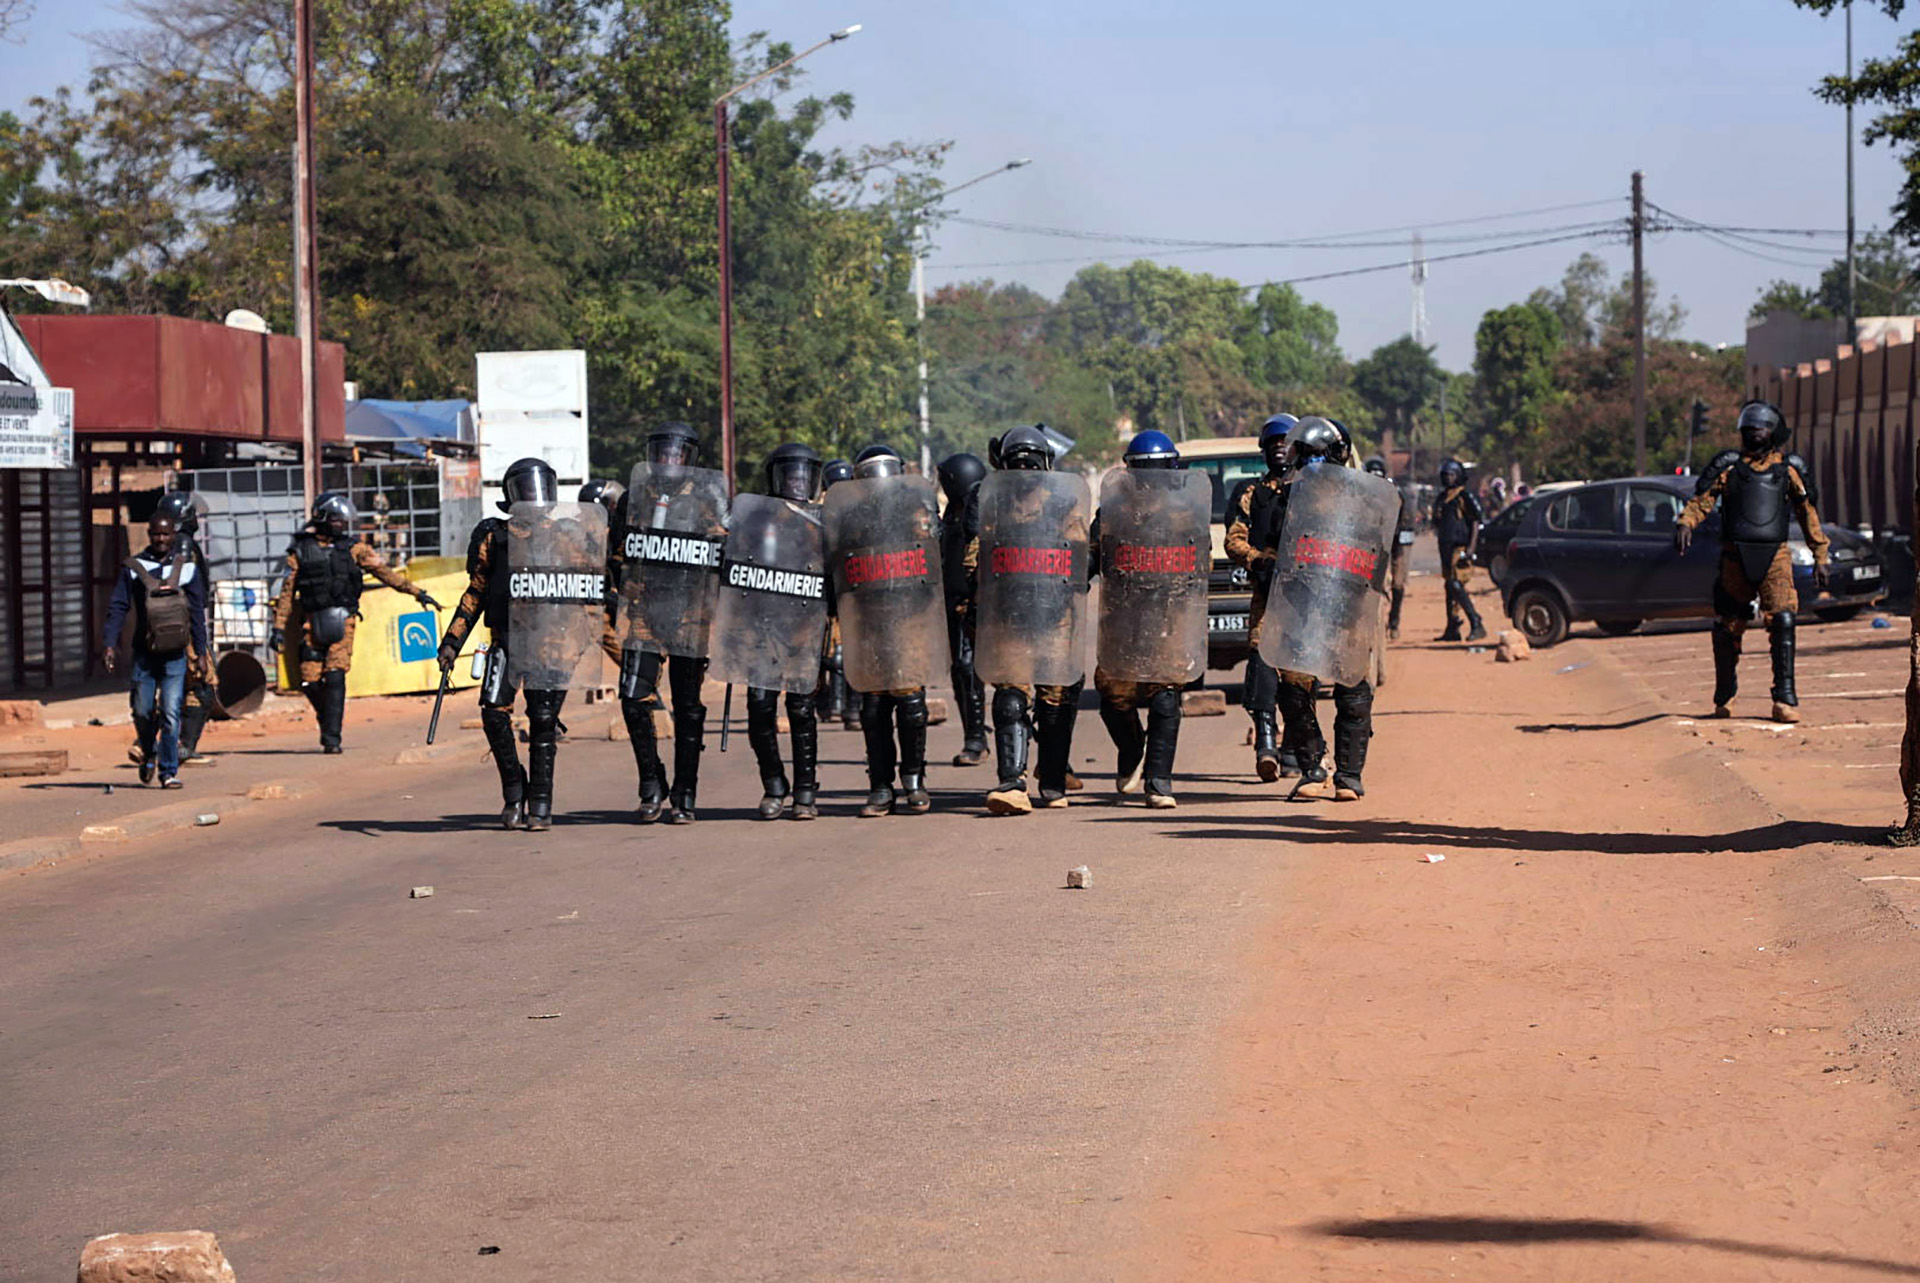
[(1605, 552)]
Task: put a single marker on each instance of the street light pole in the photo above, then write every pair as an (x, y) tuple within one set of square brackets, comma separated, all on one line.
[(721, 147), (920, 238), (306, 285)]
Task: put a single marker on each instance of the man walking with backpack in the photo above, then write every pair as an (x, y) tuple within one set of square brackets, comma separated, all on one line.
[(167, 600)]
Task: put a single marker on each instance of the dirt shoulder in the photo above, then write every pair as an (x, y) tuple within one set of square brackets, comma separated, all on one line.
[(1641, 1022)]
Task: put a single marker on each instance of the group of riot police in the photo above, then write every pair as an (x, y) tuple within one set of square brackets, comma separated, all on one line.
[(848, 588)]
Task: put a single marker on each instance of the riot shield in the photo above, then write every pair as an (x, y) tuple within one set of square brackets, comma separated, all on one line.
[(556, 595), (1155, 553), (770, 622), (1031, 594), (670, 559), (1323, 613), (883, 548)]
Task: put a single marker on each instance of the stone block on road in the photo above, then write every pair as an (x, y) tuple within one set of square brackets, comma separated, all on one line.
[(187, 1256), (1203, 703)]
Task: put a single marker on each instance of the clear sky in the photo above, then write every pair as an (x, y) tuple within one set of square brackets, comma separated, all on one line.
[(1243, 120)]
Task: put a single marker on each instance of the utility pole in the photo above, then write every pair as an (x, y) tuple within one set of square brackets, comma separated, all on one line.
[(920, 334), (306, 269), (1853, 311), (1639, 329)]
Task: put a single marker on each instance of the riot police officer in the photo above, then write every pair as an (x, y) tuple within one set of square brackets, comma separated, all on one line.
[(1153, 609), (672, 462), (960, 478), (837, 703), (201, 695), (527, 792), (325, 566), (1029, 449), (793, 474), (1253, 534), (1315, 439), (1456, 523), (1757, 487)]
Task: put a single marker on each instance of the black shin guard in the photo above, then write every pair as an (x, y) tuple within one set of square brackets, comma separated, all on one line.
[(497, 723), (804, 722), (876, 729), (1163, 739), (1129, 741), (1726, 663), (333, 707), (1055, 735), (1781, 631), (543, 750), (193, 720), (1011, 733), (913, 734), (763, 736), (1393, 611), (1301, 730), (1352, 729)]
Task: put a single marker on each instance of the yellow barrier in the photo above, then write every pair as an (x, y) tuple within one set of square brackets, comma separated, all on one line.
[(396, 642)]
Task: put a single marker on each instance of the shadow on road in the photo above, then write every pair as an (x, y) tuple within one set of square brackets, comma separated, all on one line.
[(1521, 1231), (1319, 829)]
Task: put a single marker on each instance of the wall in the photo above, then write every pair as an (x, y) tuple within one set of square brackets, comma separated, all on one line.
[(1853, 420)]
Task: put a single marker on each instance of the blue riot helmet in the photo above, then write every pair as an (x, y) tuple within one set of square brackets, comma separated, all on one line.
[(1152, 449), (1273, 440)]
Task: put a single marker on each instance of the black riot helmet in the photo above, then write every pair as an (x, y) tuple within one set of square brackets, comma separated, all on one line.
[(673, 445), (1315, 437), (1376, 465), (1026, 449), (529, 480), (836, 471), (878, 461), (793, 472), (959, 474), (605, 493), (1452, 473), (1762, 426), (333, 513), (180, 505)]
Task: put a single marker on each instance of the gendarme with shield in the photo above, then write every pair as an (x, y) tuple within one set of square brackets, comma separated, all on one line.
[(671, 541), (770, 622)]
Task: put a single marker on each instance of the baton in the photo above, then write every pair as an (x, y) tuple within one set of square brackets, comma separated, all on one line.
[(726, 716), (433, 723)]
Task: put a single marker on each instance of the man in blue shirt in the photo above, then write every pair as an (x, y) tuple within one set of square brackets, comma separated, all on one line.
[(161, 592)]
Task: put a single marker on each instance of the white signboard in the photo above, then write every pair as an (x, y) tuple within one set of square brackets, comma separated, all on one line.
[(36, 427), (532, 404)]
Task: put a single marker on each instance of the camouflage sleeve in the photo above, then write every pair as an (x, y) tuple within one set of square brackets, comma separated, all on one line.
[(1239, 545), (374, 564), (970, 562), (474, 599), (1702, 505), (1809, 516), (283, 604)]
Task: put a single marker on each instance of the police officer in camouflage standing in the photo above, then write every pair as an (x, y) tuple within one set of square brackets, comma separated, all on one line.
[(325, 566), (960, 478), (1253, 533), (1456, 524)]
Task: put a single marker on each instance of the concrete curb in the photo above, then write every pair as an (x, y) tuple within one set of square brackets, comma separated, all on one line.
[(186, 813)]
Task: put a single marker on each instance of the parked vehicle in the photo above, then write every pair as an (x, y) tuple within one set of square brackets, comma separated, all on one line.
[(1228, 462), (1604, 552)]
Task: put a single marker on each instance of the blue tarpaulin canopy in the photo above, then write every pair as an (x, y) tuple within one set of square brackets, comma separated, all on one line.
[(404, 425)]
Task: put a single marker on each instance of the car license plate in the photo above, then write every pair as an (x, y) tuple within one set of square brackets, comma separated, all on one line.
[(1866, 572), (1226, 623)]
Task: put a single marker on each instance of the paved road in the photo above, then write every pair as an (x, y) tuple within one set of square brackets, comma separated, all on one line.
[(1271, 1042)]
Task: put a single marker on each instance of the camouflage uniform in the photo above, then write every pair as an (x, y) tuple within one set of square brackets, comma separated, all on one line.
[(1456, 515)]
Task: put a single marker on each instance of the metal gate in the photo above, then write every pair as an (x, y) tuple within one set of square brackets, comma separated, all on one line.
[(45, 610)]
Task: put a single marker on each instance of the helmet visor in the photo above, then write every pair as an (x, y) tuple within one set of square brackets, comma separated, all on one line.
[(672, 451), (535, 485), (795, 479)]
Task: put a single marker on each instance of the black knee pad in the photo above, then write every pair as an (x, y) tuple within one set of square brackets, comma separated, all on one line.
[(913, 709), (543, 714), (640, 677), (1009, 705), (1164, 703)]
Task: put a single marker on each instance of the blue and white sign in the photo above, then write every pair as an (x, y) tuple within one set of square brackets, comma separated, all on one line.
[(419, 636)]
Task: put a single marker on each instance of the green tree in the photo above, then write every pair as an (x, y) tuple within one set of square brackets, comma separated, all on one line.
[(1886, 283), (1592, 307), (1398, 381), (1589, 429), (1892, 83), (1515, 350)]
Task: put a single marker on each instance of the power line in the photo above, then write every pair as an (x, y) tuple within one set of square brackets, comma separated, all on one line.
[(1069, 233), (1235, 288)]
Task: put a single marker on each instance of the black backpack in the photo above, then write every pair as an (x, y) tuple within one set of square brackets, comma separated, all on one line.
[(169, 616)]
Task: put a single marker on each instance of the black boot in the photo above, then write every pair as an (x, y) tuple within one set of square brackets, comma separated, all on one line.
[(803, 718), (543, 749), (498, 725), (1352, 730), (763, 736), (1266, 746), (1054, 734), (876, 728), (1163, 739), (1303, 730), (914, 798), (1784, 700), (970, 694), (1011, 737), (1726, 668), (193, 721), (646, 759), (1393, 614), (333, 709), (1129, 745), (316, 693), (689, 738)]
